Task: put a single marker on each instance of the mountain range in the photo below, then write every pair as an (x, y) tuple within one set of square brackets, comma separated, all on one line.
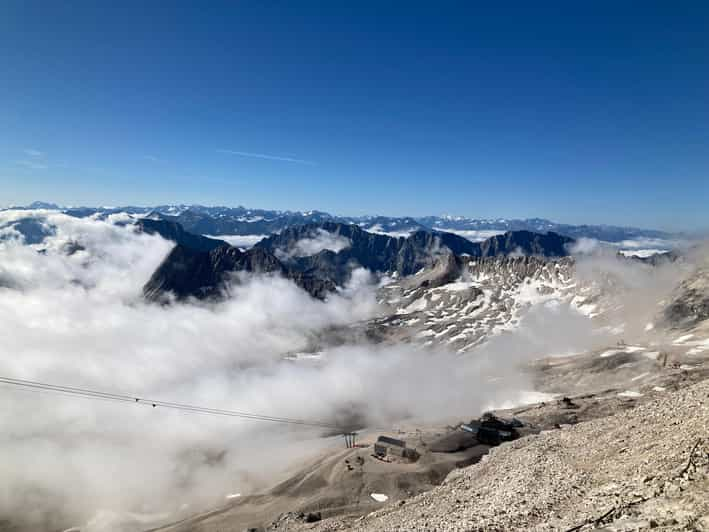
[(202, 267), (222, 221)]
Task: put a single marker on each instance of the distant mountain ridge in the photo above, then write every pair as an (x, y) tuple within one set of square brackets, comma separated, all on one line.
[(199, 219)]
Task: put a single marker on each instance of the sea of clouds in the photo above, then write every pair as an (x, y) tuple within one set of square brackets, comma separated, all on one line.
[(72, 313)]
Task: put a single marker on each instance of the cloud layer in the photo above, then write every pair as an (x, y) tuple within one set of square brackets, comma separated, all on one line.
[(314, 244), (71, 313)]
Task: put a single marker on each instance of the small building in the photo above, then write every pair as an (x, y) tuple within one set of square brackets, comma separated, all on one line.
[(492, 430), (386, 446)]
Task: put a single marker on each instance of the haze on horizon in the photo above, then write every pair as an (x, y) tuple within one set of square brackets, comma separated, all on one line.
[(579, 114)]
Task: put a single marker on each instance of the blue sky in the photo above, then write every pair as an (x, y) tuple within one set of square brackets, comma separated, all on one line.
[(588, 112)]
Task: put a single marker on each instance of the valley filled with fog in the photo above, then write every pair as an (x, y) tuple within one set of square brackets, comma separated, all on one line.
[(72, 312)]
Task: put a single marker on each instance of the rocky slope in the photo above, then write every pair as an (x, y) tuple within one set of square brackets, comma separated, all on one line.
[(640, 469), (462, 301), (609, 451), (549, 244), (339, 481), (690, 302)]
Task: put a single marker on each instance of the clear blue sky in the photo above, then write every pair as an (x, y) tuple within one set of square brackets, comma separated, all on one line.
[(575, 111)]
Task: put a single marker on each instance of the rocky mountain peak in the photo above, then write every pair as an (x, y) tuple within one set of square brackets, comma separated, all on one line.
[(321, 256)]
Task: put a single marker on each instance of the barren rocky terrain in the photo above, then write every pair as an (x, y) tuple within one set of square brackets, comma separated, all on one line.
[(632, 455), (642, 468)]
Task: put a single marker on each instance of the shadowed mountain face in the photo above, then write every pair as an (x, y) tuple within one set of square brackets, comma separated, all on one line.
[(188, 272), (174, 231), (526, 243), (31, 230), (690, 303), (201, 267)]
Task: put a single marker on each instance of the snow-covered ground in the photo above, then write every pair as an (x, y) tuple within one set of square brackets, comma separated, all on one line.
[(493, 296)]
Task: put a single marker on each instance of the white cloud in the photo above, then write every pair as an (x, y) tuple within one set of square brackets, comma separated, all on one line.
[(32, 165), (379, 230), (314, 244), (35, 161), (267, 157), (79, 320), (474, 235), (650, 243), (240, 241), (517, 252), (640, 247), (642, 253), (583, 246)]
